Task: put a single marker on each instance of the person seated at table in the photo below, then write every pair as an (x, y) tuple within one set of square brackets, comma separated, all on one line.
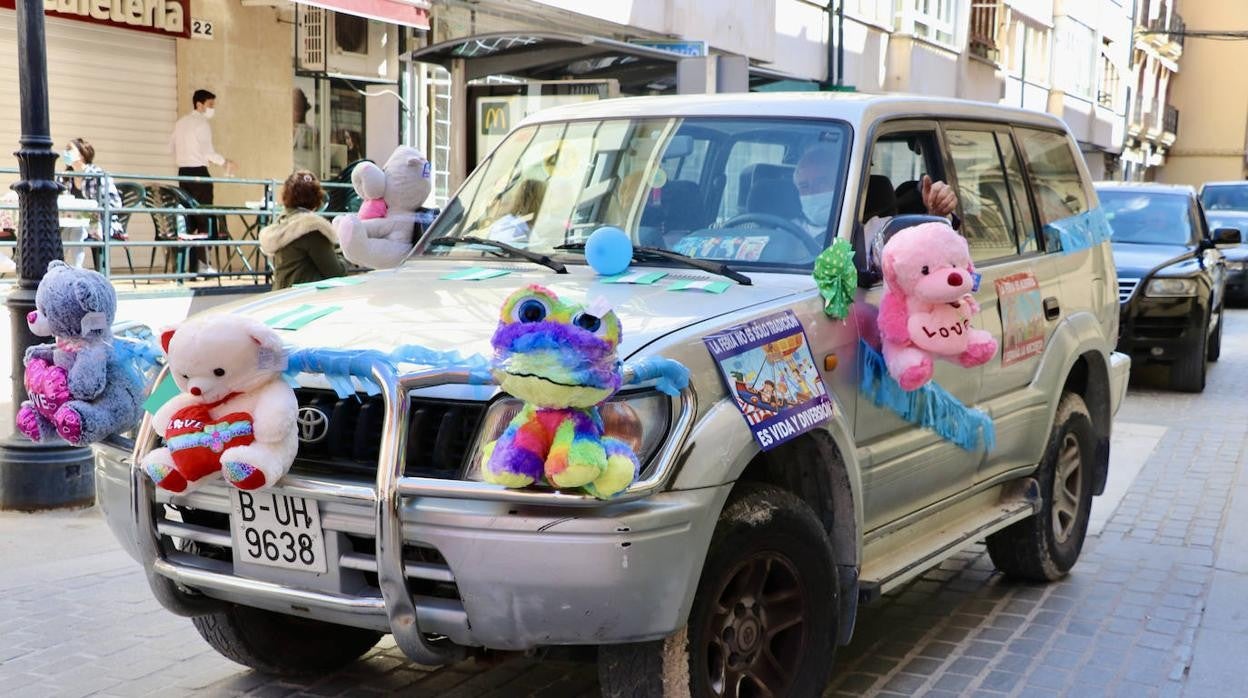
[(79, 157), (301, 242)]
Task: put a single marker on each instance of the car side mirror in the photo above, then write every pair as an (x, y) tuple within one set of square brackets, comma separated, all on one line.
[(1227, 236)]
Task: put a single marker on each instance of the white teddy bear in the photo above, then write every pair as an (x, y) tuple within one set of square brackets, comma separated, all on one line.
[(235, 414), (382, 234)]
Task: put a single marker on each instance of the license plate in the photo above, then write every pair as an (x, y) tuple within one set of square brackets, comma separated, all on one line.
[(277, 530)]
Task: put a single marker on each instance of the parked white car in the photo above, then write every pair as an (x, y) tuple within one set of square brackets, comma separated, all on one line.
[(725, 565)]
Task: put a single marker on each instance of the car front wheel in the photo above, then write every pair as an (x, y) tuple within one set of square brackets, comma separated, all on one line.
[(275, 643), (1188, 373), (1044, 547), (764, 618)]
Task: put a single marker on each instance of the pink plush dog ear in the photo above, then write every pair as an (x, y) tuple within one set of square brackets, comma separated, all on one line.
[(166, 336), (886, 266)]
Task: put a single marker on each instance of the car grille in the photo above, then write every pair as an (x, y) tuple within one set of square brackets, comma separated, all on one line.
[(1125, 288), (1160, 327), (439, 434)]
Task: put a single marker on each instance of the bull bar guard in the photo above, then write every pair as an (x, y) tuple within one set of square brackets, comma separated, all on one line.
[(397, 603)]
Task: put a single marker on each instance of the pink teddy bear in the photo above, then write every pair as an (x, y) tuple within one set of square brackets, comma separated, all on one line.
[(927, 305)]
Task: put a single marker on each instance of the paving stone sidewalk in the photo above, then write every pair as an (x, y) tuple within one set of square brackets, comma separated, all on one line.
[(1156, 607)]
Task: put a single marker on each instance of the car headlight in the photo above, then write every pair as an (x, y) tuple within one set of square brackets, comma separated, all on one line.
[(638, 418), (1163, 288)]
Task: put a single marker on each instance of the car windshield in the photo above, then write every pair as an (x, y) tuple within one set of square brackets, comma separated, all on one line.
[(1225, 197), (1148, 218), (748, 192)]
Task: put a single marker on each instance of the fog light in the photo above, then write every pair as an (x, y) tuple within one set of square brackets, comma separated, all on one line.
[(1156, 351)]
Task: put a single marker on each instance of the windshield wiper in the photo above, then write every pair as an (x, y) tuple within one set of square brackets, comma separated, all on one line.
[(534, 257), (642, 253)]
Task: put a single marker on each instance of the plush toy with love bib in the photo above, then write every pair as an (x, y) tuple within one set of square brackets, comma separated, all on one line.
[(235, 415), (928, 304)]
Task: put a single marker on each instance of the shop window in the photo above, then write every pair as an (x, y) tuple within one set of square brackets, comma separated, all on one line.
[(346, 124), (988, 221), (1055, 176)]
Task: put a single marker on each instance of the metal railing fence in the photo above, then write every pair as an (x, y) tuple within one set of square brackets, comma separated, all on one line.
[(245, 247)]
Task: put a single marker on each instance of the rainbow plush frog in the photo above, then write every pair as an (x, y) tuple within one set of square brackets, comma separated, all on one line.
[(559, 358)]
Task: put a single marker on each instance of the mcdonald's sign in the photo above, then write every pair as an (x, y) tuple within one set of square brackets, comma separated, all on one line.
[(495, 118)]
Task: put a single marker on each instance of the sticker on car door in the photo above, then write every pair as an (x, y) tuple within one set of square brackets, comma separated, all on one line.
[(1022, 317), (770, 373)]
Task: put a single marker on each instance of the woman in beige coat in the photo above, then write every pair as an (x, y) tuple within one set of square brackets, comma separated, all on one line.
[(301, 242)]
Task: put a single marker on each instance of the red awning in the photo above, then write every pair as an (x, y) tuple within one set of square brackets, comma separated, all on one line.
[(410, 13)]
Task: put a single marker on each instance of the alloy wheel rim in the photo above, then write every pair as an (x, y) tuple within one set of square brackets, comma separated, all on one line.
[(1067, 486), (756, 633)]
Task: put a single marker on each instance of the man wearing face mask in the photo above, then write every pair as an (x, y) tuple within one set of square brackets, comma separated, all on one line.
[(192, 149), (815, 177)]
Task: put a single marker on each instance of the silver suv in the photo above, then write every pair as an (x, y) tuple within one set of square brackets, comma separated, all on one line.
[(726, 565)]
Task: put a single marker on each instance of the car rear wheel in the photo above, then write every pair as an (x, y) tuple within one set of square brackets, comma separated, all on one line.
[(1188, 373), (1043, 547), (763, 621), (282, 645)]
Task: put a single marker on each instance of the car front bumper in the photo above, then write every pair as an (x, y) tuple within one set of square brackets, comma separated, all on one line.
[(425, 559), (1161, 329)]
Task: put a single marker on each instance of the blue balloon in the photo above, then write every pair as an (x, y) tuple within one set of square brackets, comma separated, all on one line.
[(609, 250)]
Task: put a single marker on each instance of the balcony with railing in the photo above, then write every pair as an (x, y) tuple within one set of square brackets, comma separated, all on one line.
[(1167, 32), (1170, 124), (982, 39)]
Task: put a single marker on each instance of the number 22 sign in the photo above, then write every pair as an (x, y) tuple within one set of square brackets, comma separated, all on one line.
[(202, 29)]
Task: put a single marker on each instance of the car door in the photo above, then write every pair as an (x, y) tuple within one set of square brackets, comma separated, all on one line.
[(1021, 286), (905, 467), (1214, 260)]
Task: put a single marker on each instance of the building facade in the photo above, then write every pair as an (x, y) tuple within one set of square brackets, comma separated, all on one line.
[(1153, 123), (1212, 144)]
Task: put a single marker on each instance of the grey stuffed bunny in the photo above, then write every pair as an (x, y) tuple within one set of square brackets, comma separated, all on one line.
[(79, 387)]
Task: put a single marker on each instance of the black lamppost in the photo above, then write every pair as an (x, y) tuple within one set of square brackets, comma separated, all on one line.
[(47, 475)]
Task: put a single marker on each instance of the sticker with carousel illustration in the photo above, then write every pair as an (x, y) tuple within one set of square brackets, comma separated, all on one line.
[(768, 368)]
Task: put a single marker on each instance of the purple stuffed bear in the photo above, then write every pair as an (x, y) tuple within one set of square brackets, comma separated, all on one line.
[(79, 387)]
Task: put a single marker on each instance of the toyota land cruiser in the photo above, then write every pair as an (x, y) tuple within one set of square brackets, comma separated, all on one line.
[(725, 565)]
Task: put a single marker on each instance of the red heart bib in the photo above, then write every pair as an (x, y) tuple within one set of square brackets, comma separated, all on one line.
[(196, 440)]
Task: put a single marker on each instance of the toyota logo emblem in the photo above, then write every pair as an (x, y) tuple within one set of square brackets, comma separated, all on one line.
[(313, 425)]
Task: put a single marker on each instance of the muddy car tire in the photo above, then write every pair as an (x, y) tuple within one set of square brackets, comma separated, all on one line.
[(1044, 546), (282, 645), (765, 610)]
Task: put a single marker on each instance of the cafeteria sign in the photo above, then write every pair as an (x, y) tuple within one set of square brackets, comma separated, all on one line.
[(164, 17)]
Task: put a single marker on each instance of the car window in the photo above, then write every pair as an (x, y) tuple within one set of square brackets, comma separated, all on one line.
[(1225, 197), (717, 188), (1148, 218), (749, 163), (1055, 180), (1025, 228), (900, 160), (988, 221)]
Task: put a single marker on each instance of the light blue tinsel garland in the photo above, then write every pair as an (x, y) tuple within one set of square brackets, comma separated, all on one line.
[(930, 406)]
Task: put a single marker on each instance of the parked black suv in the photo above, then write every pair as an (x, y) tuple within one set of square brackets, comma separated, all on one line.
[(1226, 206), (1171, 278)]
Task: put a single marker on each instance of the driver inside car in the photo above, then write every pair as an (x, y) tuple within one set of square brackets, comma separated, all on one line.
[(815, 179)]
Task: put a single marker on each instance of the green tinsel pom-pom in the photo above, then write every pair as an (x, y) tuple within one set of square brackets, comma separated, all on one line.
[(836, 277)]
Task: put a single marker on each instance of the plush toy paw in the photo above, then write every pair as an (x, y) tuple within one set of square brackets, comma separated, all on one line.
[(622, 467), (509, 467), (580, 465), (29, 422), (243, 476), (915, 376), (978, 352), (69, 425), (165, 476)]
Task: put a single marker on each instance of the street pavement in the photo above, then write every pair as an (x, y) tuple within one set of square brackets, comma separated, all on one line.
[(1157, 606)]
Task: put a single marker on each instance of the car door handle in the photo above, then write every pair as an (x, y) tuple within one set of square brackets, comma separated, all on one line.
[(1052, 309)]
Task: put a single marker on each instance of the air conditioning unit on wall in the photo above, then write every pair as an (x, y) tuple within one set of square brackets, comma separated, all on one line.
[(339, 44)]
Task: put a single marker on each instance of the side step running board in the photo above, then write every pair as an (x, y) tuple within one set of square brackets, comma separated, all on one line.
[(902, 555)]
